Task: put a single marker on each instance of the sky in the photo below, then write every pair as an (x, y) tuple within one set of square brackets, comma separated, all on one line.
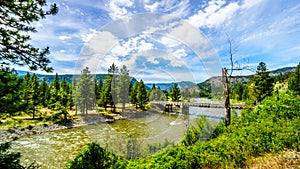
[(163, 41)]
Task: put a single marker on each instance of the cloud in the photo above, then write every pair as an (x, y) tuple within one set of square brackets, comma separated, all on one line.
[(86, 37), (64, 37), (180, 53), (167, 41), (118, 8), (176, 8), (214, 14), (94, 53)]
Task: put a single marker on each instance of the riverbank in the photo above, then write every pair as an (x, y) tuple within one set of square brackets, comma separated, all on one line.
[(79, 120)]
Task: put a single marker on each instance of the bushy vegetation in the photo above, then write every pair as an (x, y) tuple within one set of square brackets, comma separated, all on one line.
[(270, 128), (93, 157), (11, 160)]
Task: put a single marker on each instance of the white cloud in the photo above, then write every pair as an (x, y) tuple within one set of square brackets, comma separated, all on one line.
[(94, 54), (86, 37), (152, 60), (250, 3), (180, 53), (176, 8), (167, 41), (117, 8), (64, 37), (214, 14)]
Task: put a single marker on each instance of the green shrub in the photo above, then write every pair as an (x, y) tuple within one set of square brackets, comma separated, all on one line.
[(94, 157)]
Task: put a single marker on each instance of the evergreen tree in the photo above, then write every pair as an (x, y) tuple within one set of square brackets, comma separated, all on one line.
[(142, 98), (175, 93), (34, 96), (106, 97), (85, 91), (238, 91), (70, 96), (98, 88), (15, 20), (56, 82), (45, 93), (133, 94), (113, 72), (63, 93), (123, 81), (156, 94), (161, 94), (75, 95), (294, 81), (165, 94), (261, 83), (10, 102), (54, 92), (153, 93), (8, 159)]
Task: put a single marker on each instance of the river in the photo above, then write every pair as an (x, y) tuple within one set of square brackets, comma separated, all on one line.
[(55, 149)]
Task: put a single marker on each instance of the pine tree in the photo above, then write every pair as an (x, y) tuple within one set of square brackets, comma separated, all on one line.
[(153, 93), (133, 94), (260, 85), (33, 97), (70, 103), (142, 98), (156, 94), (63, 93), (294, 81), (106, 97), (15, 20), (54, 93), (123, 80), (56, 82), (238, 91), (85, 91), (75, 95), (98, 88), (25, 87), (175, 93), (113, 72), (10, 101), (45, 93)]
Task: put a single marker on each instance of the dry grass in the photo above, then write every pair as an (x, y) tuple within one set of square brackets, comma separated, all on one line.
[(285, 160)]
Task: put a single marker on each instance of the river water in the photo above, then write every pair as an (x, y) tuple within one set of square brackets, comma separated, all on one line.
[(55, 149)]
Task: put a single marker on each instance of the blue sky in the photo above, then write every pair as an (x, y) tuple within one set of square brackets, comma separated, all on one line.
[(162, 41)]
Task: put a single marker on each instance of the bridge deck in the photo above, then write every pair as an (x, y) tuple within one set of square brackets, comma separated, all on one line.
[(212, 105)]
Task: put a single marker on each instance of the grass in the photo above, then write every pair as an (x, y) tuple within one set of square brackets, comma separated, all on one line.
[(285, 159)]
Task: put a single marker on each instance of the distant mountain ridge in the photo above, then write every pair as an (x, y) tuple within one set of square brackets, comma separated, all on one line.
[(168, 86), (214, 84), (49, 78), (212, 81)]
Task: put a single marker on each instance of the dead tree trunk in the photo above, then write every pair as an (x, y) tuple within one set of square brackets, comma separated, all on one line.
[(226, 95)]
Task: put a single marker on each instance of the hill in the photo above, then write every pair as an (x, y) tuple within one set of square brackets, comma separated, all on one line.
[(214, 84), (168, 86), (69, 77)]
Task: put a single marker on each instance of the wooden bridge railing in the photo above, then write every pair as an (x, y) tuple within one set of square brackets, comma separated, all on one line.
[(212, 105)]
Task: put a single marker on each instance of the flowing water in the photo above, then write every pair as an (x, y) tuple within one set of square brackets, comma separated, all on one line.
[(55, 149)]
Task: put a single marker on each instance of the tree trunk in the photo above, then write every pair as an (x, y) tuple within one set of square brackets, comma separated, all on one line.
[(76, 109), (33, 113), (123, 107), (86, 109), (226, 95)]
